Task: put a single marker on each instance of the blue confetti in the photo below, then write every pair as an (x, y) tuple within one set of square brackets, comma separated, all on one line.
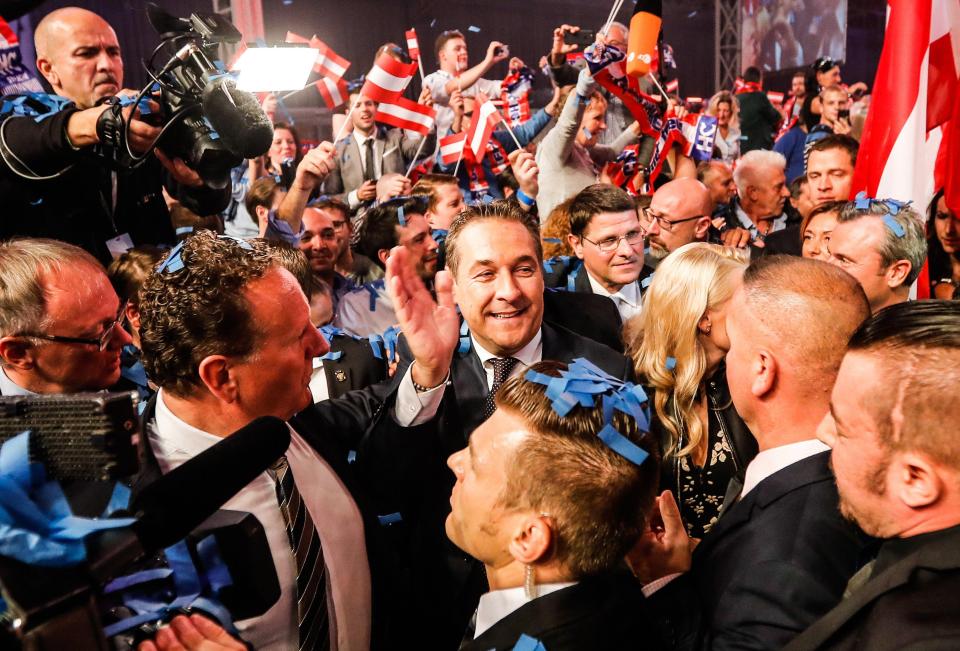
[(671, 363), (351, 456), (389, 519), (552, 240), (894, 226), (332, 355), (646, 282), (527, 643), (474, 29), (433, 22)]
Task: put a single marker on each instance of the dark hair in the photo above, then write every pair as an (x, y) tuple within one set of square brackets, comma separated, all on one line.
[(796, 185), (261, 193), (829, 206), (752, 75), (378, 228), (331, 203), (502, 210), (128, 272), (837, 141), (595, 199), (298, 156), (507, 179), (199, 310), (598, 499), (445, 36), (921, 324), (824, 64), (290, 258)]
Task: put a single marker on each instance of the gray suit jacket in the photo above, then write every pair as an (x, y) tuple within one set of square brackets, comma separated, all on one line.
[(394, 148)]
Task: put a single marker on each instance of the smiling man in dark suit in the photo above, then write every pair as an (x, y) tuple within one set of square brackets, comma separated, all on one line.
[(495, 257), (896, 455), (780, 554)]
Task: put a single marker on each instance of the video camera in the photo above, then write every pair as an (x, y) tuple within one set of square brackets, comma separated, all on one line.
[(206, 120), (84, 442)]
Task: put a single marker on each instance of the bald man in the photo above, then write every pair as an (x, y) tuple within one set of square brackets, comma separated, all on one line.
[(780, 555), (53, 178)]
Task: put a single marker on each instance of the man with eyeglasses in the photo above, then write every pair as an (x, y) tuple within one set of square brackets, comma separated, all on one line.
[(679, 214), (319, 242), (61, 323), (607, 237), (351, 264)]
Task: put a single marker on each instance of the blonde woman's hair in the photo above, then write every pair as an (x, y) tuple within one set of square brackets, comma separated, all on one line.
[(694, 278), (721, 97)]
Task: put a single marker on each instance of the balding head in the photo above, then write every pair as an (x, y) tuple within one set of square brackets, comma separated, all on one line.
[(788, 326), (78, 53), (684, 203)]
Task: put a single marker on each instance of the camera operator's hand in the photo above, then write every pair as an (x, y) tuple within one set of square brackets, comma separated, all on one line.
[(179, 170), (196, 633), (316, 166), (367, 191), (497, 52)]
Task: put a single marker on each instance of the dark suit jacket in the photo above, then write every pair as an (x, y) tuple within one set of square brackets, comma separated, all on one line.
[(772, 564), (913, 603), (334, 428), (446, 581), (758, 121), (589, 315), (786, 241), (356, 368), (604, 612)]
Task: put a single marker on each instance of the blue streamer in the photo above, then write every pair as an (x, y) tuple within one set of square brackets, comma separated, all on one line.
[(400, 216), (894, 226), (332, 355), (646, 282), (376, 342), (464, 346), (389, 519), (892, 207), (552, 240), (527, 643), (671, 363)]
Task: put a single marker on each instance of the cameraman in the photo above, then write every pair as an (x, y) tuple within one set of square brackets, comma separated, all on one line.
[(79, 197)]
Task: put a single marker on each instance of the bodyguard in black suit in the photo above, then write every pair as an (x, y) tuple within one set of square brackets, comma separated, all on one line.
[(781, 554), (351, 365), (498, 285), (905, 493)]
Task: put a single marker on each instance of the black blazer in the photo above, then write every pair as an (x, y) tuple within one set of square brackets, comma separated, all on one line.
[(772, 564), (604, 612), (356, 368), (912, 604), (590, 315), (412, 478), (334, 429)]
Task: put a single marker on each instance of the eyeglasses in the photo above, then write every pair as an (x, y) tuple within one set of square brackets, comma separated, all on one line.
[(610, 244), (100, 342), (648, 217)]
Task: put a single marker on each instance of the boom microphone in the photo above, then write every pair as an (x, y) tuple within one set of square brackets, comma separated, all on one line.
[(237, 116), (642, 41), (174, 505)]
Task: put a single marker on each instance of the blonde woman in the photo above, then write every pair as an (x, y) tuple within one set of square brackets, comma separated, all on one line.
[(723, 107), (679, 349)]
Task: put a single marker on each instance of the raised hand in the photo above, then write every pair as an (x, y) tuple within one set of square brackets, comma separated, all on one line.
[(497, 52), (665, 548), (432, 328), (316, 165), (526, 171)]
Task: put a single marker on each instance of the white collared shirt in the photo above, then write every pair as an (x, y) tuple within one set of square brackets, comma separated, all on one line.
[(776, 459), (318, 381), (362, 144), (335, 514), (497, 604), (10, 388), (779, 223), (627, 299), (528, 355), (354, 315)]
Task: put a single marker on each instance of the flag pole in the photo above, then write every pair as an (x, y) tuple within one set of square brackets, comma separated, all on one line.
[(294, 92), (657, 83), (459, 158), (506, 123), (413, 163), (343, 126), (613, 14)]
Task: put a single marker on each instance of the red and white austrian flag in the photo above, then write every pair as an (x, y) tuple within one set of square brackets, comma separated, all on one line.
[(413, 46), (387, 79), (406, 114), (451, 147), (328, 63), (334, 93), (485, 119)]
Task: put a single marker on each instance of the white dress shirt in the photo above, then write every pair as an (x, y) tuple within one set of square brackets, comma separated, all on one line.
[(528, 355), (10, 388), (776, 459), (355, 316), (627, 299), (437, 80), (352, 199), (497, 604)]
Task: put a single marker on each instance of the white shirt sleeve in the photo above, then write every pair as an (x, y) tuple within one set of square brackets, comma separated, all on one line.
[(414, 407)]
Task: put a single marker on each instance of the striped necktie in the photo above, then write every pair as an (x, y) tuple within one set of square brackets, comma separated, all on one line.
[(312, 616)]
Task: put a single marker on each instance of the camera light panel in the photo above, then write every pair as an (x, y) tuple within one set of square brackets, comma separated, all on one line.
[(271, 69)]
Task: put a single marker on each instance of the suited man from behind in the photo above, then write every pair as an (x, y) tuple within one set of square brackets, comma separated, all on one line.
[(892, 430), (780, 554), (227, 337), (495, 256), (606, 235), (550, 510), (370, 152)]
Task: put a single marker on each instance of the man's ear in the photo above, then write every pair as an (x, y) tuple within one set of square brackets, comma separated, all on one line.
[(897, 273), (382, 255), (262, 213), (217, 376), (133, 316), (764, 369), (45, 68), (917, 483), (701, 229), (17, 352), (532, 540), (576, 243)]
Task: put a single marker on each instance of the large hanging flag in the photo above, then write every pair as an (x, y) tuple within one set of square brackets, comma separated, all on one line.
[(387, 79), (406, 114), (914, 116), (328, 63), (485, 119)]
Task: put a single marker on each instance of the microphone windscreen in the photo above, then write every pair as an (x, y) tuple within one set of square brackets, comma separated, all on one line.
[(237, 116), (179, 501), (642, 41)]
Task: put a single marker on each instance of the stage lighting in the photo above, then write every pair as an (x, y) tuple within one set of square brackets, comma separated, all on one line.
[(271, 69)]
